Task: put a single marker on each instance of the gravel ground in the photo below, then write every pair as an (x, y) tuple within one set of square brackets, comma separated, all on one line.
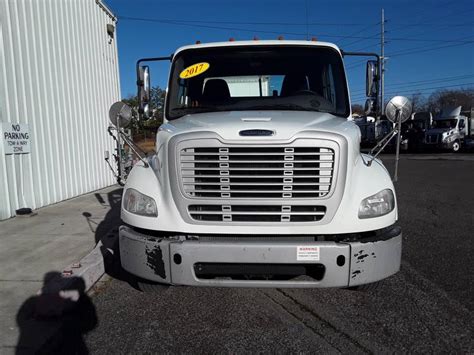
[(426, 307)]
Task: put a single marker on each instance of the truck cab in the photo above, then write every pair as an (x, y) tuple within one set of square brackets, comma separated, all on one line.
[(257, 179), (449, 130)]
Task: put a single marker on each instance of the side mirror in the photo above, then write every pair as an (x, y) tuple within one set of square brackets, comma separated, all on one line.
[(144, 90), (372, 79), (398, 109), (120, 114)]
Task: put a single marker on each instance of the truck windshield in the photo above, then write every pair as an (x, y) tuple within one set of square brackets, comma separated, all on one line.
[(451, 123), (238, 78)]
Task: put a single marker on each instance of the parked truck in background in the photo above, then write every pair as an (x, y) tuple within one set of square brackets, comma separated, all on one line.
[(450, 130), (268, 189), (414, 131)]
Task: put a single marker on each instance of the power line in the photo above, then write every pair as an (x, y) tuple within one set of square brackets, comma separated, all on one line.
[(365, 48), (433, 24), (410, 84), (297, 23), (362, 30), (244, 23), (193, 24), (422, 16), (427, 49), (364, 39), (359, 97), (413, 51)]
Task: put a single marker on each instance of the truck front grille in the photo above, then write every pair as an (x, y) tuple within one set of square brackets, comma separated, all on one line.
[(256, 213), (256, 172)]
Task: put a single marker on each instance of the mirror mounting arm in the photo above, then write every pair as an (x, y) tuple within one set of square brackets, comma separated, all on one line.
[(361, 54)]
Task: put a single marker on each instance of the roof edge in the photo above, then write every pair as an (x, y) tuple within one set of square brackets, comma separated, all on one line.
[(106, 9), (259, 43)]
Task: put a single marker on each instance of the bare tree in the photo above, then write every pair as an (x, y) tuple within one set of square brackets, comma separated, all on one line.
[(419, 102), (446, 98)]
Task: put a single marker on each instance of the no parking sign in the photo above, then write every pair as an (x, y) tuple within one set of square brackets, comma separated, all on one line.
[(16, 138)]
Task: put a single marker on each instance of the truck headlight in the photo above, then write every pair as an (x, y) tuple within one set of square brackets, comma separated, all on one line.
[(138, 203), (450, 139), (377, 205)]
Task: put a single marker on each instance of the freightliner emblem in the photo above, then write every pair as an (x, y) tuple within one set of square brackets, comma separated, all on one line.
[(256, 132)]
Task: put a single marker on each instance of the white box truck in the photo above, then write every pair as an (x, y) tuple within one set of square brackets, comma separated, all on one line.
[(267, 189)]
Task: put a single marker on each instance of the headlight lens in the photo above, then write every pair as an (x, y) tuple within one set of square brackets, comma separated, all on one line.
[(377, 205), (138, 203), (450, 139)]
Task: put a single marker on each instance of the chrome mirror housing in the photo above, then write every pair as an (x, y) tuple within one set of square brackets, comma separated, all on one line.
[(144, 91), (120, 114), (372, 79), (398, 109)]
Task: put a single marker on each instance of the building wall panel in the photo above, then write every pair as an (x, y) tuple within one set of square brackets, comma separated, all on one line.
[(59, 74)]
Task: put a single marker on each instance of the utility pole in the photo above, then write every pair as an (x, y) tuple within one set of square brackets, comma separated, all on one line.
[(306, 14), (382, 63)]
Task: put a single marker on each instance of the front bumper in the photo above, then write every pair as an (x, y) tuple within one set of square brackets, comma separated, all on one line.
[(345, 264)]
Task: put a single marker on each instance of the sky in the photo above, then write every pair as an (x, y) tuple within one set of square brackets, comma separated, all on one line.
[(429, 45)]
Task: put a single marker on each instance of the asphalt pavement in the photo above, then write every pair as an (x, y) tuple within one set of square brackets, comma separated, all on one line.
[(426, 307)]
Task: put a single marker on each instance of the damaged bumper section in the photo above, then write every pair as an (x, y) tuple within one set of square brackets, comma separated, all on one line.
[(262, 261)]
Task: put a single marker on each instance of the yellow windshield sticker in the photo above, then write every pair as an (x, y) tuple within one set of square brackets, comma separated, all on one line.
[(194, 70)]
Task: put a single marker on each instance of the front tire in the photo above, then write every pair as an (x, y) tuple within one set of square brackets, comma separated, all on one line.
[(456, 147)]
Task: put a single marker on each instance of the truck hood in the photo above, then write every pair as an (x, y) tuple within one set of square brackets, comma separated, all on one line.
[(283, 124)]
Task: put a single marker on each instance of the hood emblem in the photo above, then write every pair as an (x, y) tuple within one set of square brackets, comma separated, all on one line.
[(256, 132)]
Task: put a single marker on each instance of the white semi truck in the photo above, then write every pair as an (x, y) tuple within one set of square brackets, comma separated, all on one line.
[(264, 190), (450, 130)]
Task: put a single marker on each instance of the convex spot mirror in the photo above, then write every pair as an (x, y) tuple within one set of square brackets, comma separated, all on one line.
[(398, 108), (120, 114), (144, 90), (372, 79)]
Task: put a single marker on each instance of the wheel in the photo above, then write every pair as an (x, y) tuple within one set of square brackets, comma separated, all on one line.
[(366, 287), (151, 287), (456, 147)]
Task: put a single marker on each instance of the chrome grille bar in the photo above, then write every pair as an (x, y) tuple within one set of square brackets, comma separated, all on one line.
[(251, 213), (256, 172)]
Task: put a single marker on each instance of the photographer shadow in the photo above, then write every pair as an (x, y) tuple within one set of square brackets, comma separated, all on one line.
[(56, 320)]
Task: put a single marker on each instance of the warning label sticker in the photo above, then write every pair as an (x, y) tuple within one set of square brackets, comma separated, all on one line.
[(307, 253)]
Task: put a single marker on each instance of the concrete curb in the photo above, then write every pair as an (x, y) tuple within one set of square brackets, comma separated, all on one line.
[(92, 266)]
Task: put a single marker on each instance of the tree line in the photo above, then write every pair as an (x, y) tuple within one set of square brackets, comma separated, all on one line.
[(435, 101), (142, 128)]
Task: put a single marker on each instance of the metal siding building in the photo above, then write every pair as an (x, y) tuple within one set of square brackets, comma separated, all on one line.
[(59, 75)]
